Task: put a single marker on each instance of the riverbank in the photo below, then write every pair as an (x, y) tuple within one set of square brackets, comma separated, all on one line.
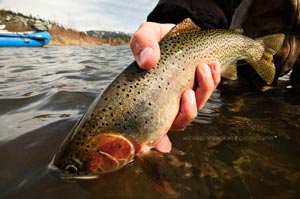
[(61, 36)]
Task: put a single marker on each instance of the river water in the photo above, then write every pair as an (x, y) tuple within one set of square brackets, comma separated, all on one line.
[(243, 144)]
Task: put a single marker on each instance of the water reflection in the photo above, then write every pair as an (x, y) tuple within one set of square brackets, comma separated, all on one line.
[(244, 144)]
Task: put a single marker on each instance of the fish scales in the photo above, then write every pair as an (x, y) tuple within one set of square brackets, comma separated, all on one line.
[(138, 107), (140, 103)]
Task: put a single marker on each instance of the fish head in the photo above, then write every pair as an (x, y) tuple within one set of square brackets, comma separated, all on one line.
[(103, 153)]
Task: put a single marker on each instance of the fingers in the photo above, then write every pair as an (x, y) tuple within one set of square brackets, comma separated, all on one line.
[(144, 43), (164, 145), (208, 77), (188, 110)]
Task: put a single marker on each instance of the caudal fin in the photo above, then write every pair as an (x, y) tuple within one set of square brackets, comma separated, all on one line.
[(265, 66)]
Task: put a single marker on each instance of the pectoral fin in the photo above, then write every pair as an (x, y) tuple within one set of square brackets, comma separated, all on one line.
[(159, 172)]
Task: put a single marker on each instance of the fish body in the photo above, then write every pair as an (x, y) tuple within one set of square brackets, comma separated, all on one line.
[(138, 107)]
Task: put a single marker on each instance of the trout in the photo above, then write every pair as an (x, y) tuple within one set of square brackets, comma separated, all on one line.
[(138, 108)]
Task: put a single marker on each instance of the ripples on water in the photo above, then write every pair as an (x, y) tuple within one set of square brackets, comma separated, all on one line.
[(242, 145)]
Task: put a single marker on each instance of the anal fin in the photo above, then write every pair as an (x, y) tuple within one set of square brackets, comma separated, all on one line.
[(230, 72)]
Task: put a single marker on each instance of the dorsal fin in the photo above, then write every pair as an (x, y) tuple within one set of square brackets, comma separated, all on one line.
[(186, 25)]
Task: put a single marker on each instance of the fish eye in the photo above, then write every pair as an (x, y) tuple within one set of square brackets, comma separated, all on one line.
[(72, 169)]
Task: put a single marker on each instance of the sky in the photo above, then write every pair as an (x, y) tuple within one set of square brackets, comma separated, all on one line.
[(114, 15)]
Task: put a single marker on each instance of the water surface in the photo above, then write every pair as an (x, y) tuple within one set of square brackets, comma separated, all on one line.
[(243, 144)]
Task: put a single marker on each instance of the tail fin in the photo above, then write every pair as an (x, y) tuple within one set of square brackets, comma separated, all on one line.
[(265, 66)]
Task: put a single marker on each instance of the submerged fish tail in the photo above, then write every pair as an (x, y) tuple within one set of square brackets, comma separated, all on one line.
[(265, 66)]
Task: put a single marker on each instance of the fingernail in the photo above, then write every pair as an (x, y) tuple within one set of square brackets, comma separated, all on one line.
[(191, 97), (216, 67), (145, 55), (206, 70)]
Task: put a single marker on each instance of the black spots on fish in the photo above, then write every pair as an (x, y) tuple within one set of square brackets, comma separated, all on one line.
[(116, 124), (103, 110), (150, 104)]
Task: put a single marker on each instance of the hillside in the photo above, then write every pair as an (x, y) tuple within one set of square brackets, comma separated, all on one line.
[(17, 22)]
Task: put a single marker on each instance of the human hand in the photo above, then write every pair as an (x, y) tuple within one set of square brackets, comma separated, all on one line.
[(145, 48)]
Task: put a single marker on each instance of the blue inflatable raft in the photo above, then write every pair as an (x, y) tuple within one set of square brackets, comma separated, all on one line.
[(24, 39)]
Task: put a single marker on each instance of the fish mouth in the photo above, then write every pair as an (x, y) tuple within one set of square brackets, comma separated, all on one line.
[(54, 170)]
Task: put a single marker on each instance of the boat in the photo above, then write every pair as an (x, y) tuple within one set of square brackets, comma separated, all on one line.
[(24, 39)]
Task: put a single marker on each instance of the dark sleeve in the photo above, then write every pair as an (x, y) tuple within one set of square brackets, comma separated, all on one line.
[(207, 14)]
